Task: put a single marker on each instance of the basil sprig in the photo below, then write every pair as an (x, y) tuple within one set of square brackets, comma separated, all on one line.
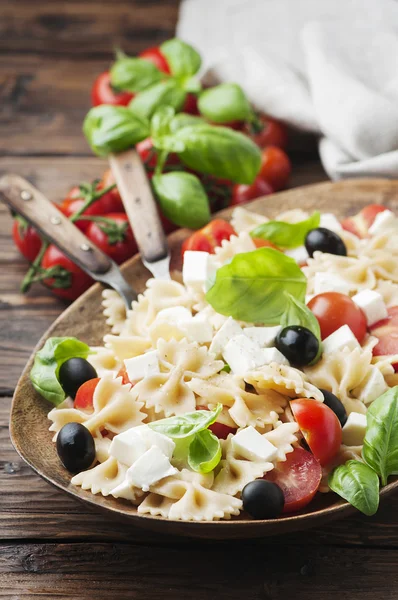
[(287, 235), (357, 483), (164, 93), (225, 103), (297, 313), (48, 360), (134, 74), (204, 452), (182, 426), (182, 199)]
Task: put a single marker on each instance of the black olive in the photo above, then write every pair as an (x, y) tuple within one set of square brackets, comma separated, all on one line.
[(73, 373), (263, 499), (298, 344), (336, 405), (324, 240), (75, 447)]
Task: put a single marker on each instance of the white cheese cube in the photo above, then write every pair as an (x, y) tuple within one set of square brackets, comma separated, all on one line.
[(243, 355), (123, 490), (150, 468), (142, 366), (197, 329), (354, 430), (264, 336), (273, 355), (129, 446), (328, 282), (250, 444), (299, 254), (339, 339), (384, 221), (226, 332), (329, 221), (373, 387), (174, 314), (198, 267), (372, 304)]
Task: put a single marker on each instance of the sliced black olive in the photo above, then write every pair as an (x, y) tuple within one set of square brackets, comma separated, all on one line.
[(324, 240), (75, 447), (263, 499), (298, 344), (73, 373), (336, 405)]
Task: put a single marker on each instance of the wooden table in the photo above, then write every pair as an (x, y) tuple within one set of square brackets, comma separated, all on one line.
[(49, 544)]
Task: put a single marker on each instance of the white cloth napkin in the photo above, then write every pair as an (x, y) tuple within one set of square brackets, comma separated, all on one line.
[(325, 66)]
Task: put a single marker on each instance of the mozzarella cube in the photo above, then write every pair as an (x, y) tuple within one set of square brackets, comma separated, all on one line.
[(250, 444), (329, 221), (129, 446), (328, 282), (339, 339), (123, 490), (373, 387), (198, 267), (372, 304), (150, 468), (272, 355), (174, 314), (264, 336), (243, 355), (384, 221), (354, 430), (226, 332), (197, 329), (142, 366), (299, 254)]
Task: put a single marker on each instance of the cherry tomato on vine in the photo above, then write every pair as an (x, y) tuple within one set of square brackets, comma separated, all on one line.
[(26, 239), (85, 393), (243, 193), (111, 201), (147, 153), (275, 167), (360, 223), (333, 310), (191, 105), (73, 202), (273, 133), (155, 56), (387, 333), (70, 281), (113, 236), (209, 237), (103, 93)]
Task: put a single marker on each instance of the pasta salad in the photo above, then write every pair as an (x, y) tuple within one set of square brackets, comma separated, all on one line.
[(264, 376)]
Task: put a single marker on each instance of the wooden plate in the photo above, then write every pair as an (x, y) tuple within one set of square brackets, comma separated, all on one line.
[(84, 319)]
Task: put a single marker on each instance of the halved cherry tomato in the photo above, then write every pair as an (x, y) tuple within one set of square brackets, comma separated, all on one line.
[(275, 167), (220, 430), (273, 133), (155, 56), (319, 426), (115, 238), (84, 397), (209, 237), (298, 477), (333, 310), (387, 333), (359, 224), (259, 243), (103, 93), (26, 239), (71, 281), (243, 193), (123, 374)]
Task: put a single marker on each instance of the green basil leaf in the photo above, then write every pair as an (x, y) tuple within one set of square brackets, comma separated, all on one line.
[(134, 74), (219, 151), (191, 85), (183, 426), (113, 129), (380, 446), (164, 93), (204, 452), (182, 59), (182, 199), (252, 286), (297, 313), (357, 483), (161, 122), (287, 235), (225, 103), (184, 120), (48, 360)]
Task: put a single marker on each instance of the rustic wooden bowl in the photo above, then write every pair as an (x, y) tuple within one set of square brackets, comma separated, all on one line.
[(84, 319)]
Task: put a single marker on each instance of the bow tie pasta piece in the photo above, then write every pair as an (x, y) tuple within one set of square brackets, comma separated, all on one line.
[(384, 241), (126, 346), (104, 361), (102, 445), (244, 221), (295, 215), (384, 264), (285, 380), (114, 310), (356, 272), (389, 291), (235, 245)]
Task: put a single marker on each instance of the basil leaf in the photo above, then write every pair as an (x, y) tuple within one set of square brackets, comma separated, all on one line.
[(225, 103), (219, 151), (297, 313), (287, 235), (380, 446), (134, 74), (113, 129), (161, 121), (184, 120), (183, 426), (357, 483), (252, 286), (163, 93), (182, 199), (48, 360), (182, 59), (204, 452)]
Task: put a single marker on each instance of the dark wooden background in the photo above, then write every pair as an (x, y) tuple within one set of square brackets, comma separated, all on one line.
[(50, 545)]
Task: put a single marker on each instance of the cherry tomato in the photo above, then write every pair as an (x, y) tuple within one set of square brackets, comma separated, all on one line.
[(116, 238), (275, 167), (298, 477), (243, 193), (359, 224), (155, 56), (123, 374), (319, 426), (260, 243), (75, 280), (26, 239), (220, 430), (73, 202), (103, 93), (273, 133), (191, 105), (219, 191), (209, 237), (333, 310), (111, 202), (85, 393), (387, 333)]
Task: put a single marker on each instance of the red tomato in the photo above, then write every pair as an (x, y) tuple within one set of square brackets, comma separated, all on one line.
[(243, 193), (275, 167), (359, 224), (147, 153), (116, 239), (219, 429), (333, 310), (75, 280), (73, 202), (273, 133), (319, 426), (103, 93), (259, 243), (155, 56), (110, 202), (26, 239), (84, 397), (387, 333), (298, 477), (209, 237), (123, 374), (191, 105)]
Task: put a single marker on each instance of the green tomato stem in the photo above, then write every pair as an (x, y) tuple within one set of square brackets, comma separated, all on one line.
[(90, 200), (34, 268)]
